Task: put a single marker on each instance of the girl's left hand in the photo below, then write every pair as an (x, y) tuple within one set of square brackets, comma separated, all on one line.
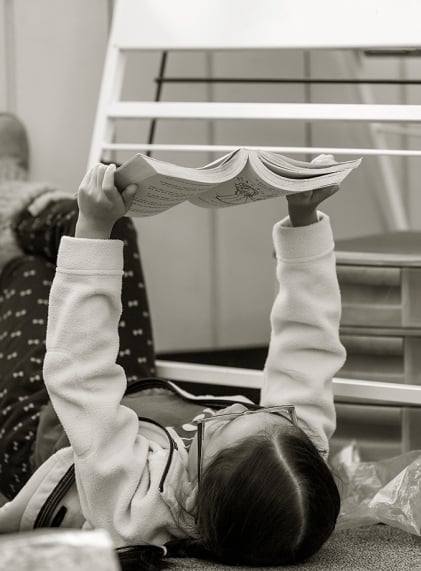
[(302, 206), (311, 199), (99, 201)]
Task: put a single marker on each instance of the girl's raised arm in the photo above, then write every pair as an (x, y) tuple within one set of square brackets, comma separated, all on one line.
[(305, 351), (85, 383)]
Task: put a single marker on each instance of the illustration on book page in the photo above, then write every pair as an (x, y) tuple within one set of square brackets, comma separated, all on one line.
[(244, 193)]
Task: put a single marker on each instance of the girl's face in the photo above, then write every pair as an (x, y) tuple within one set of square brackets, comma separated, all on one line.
[(221, 433)]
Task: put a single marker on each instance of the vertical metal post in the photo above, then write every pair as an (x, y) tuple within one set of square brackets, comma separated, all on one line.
[(158, 91), (308, 127), (403, 94), (214, 299)]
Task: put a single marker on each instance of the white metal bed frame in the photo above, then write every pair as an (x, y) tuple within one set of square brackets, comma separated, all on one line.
[(161, 25), (157, 25), (344, 390)]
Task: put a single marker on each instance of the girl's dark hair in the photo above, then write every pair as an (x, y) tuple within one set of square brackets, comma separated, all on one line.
[(268, 500)]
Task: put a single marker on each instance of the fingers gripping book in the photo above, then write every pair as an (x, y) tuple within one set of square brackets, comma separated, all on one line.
[(241, 177)]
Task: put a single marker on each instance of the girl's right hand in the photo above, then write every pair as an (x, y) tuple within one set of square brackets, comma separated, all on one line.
[(100, 203)]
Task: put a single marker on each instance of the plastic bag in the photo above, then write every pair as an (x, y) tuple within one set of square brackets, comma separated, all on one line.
[(386, 491)]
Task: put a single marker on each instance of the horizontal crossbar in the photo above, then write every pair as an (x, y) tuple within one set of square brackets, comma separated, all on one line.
[(291, 80), (345, 390), (228, 148), (285, 111)]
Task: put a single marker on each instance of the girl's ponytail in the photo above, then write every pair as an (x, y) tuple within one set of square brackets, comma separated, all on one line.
[(142, 558), (151, 557), (188, 548)]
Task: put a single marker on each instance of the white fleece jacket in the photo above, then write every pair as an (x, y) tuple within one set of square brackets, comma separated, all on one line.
[(305, 351), (119, 462)]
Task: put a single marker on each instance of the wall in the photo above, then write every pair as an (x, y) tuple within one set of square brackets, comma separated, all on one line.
[(54, 62), (3, 94), (209, 274)]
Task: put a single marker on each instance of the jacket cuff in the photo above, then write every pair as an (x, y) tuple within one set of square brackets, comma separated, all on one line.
[(83, 254), (302, 242)]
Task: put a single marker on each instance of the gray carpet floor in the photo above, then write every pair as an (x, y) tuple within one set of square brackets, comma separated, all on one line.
[(375, 548)]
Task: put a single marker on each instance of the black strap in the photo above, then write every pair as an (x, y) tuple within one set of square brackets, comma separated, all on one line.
[(160, 383)]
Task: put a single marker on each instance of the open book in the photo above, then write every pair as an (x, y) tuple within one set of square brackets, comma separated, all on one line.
[(241, 177)]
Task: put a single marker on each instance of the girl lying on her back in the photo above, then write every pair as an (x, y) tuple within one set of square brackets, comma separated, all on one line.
[(220, 479)]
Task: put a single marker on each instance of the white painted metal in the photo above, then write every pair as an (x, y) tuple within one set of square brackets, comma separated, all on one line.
[(343, 389), (236, 24), (110, 91), (189, 24), (290, 150), (284, 111)]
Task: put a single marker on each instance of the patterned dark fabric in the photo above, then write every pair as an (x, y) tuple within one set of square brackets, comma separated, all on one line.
[(24, 291)]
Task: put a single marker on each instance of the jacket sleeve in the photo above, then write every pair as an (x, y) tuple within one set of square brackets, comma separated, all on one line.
[(86, 385), (305, 351)]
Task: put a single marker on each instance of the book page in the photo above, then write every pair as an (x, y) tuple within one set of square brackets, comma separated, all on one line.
[(245, 188), (300, 184), (159, 193), (223, 160), (162, 185), (287, 167), (251, 186), (240, 177)]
